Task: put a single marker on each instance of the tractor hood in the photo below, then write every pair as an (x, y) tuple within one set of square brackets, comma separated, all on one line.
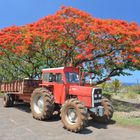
[(80, 90)]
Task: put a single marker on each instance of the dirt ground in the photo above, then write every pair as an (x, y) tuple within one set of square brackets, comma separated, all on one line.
[(17, 123)]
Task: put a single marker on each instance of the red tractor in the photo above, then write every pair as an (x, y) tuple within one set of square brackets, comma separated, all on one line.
[(63, 88)]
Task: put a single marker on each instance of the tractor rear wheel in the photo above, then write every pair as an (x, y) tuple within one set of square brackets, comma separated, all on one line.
[(108, 112), (42, 104), (74, 115), (8, 100)]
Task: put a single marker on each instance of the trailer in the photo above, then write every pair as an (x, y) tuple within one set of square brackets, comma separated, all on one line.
[(19, 90)]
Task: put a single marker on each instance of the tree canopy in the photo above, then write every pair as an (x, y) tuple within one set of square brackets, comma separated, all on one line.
[(105, 47)]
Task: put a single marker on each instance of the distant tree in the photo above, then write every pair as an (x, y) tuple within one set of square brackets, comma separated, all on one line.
[(104, 86), (116, 85), (70, 36)]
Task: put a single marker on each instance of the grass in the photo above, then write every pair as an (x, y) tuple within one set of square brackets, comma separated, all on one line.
[(129, 95), (126, 121), (1, 95), (124, 107)]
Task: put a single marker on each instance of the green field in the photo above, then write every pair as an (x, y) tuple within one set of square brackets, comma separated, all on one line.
[(126, 121)]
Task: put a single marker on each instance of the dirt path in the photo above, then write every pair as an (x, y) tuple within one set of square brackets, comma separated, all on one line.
[(17, 123)]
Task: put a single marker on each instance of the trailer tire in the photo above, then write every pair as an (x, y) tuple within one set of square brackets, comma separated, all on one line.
[(108, 112), (74, 115), (42, 104), (8, 100)]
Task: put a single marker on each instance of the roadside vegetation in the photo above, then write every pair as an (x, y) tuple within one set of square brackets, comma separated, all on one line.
[(125, 100), (118, 90), (132, 122)]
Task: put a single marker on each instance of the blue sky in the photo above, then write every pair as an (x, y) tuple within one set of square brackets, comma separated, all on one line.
[(20, 12)]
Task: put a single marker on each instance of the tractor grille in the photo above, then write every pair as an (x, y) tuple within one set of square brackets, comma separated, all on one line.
[(97, 97)]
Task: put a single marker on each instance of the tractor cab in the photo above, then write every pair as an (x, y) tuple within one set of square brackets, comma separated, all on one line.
[(59, 80), (63, 75)]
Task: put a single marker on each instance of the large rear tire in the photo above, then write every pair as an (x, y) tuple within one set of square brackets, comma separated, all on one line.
[(42, 104), (108, 112), (8, 100), (74, 115)]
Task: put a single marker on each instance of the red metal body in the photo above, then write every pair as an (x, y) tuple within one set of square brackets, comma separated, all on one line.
[(63, 90)]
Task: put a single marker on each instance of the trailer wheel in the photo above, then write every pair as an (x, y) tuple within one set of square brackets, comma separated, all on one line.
[(8, 100), (42, 104), (108, 112), (74, 115)]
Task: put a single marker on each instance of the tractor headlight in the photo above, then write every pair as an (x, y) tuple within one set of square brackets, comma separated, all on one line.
[(100, 95), (95, 96)]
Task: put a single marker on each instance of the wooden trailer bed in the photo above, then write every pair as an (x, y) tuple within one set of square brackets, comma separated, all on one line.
[(21, 88)]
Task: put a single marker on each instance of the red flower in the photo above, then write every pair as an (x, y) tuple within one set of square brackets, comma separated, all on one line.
[(19, 48), (134, 60), (118, 63), (1, 53), (80, 56), (63, 7), (81, 37), (130, 56), (137, 49)]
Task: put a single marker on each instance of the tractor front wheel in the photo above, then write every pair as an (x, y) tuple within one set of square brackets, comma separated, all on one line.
[(42, 104), (74, 115), (108, 112)]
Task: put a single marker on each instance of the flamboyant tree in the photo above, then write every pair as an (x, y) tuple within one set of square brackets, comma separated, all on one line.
[(105, 47)]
